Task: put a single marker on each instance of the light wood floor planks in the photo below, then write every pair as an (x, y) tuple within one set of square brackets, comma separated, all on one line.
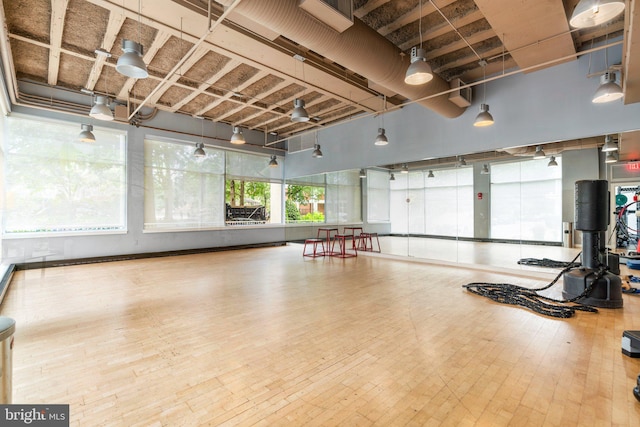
[(266, 337)]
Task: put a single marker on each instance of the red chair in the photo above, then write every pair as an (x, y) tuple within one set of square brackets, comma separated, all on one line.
[(314, 245)]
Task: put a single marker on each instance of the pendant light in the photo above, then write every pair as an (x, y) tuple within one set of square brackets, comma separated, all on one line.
[(392, 177), (461, 161), (608, 90), (609, 144), (273, 163), (381, 139), (430, 174), (100, 110), (130, 63), (485, 169), (317, 153), (484, 118), (610, 157), (199, 151), (405, 168), (539, 154), (419, 71), (591, 13), (552, 162), (237, 138), (86, 134), (363, 174), (299, 113)]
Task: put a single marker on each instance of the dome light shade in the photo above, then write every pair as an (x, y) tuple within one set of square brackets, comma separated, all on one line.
[(552, 161), (237, 137), (299, 114), (485, 169), (609, 145), (316, 152), (362, 174), (610, 158), (405, 168), (484, 117), (608, 90), (392, 177), (419, 72), (273, 163), (199, 151), (430, 174), (130, 63), (539, 154), (591, 13), (381, 139), (86, 134), (100, 110)]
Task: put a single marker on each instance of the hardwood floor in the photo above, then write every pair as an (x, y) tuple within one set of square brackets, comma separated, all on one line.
[(266, 337)]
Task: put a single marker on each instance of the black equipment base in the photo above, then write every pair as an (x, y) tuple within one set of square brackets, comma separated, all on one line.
[(605, 293)]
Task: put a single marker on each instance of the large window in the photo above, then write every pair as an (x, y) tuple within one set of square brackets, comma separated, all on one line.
[(181, 191), (185, 192), (526, 201), (304, 199), (253, 190), (57, 184), (441, 205), (449, 202), (377, 196), (333, 197), (343, 198)]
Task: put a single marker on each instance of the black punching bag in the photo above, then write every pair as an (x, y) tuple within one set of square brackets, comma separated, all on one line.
[(590, 283)]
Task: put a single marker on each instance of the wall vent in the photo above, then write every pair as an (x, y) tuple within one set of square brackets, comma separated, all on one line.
[(460, 97), (337, 14)]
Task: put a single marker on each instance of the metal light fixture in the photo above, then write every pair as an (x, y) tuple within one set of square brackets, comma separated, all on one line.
[(405, 168), (461, 161), (430, 174), (381, 139), (392, 177), (539, 154), (591, 13), (273, 163), (237, 138), (484, 118), (608, 90), (100, 110), (317, 153), (130, 63), (552, 161), (299, 113), (419, 71), (611, 157), (86, 134), (485, 169), (199, 151), (363, 174), (609, 144)]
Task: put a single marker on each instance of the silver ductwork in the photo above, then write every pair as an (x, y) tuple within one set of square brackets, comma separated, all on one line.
[(358, 48)]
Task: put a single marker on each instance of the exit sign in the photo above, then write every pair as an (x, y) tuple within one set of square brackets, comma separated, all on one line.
[(633, 166)]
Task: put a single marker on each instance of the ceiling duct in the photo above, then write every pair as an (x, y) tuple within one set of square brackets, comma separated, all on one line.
[(358, 48)]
